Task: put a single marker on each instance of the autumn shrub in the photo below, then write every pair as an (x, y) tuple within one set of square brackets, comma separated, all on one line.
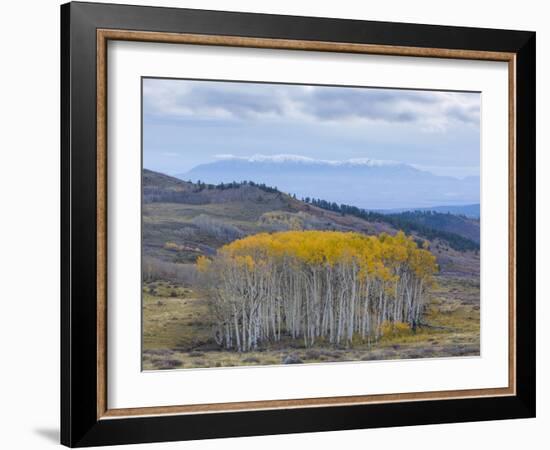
[(388, 328), (172, 246)]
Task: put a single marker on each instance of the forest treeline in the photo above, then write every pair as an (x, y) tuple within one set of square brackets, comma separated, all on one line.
[(326, 286), (234, 185), (408, 221)]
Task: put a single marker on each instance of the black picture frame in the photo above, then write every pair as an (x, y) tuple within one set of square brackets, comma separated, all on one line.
[(80, 425)]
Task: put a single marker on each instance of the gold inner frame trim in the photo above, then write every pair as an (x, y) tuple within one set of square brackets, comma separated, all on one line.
[(103, 36)]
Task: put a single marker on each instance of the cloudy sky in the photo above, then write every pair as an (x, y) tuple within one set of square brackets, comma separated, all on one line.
[(186, 123)]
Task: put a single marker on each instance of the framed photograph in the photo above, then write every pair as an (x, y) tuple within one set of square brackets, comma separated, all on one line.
[(276, 224)]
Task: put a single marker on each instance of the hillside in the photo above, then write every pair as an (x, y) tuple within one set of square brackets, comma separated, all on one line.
[(460, 232), (199, 217), (446, 222), (183, 220)]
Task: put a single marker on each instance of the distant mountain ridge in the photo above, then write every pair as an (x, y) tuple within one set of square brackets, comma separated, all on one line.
[(471, 211), (366, 183), (290, 158)]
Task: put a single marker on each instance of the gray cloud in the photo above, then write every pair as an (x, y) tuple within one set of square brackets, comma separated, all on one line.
[(255, 101), (466, 114)]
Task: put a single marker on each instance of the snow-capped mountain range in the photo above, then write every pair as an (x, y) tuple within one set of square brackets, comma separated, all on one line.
[(289, 158), (366, 183)]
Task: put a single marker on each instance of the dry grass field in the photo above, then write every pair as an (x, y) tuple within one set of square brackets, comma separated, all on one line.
[(177, 332)]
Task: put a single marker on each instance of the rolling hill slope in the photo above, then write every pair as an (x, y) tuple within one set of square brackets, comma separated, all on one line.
[(182, 220)]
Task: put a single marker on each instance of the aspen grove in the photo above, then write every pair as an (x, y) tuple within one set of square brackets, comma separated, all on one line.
[(317, 286)]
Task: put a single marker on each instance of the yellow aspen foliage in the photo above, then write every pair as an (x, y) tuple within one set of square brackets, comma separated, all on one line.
[(203, 263)]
